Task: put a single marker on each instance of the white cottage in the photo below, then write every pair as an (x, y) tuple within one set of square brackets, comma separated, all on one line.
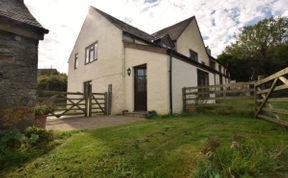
[(147, 72)]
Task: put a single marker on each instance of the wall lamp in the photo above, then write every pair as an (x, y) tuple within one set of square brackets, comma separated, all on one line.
[(129, 71)]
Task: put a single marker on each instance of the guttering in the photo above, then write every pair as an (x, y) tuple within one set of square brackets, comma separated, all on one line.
[(170, 85)]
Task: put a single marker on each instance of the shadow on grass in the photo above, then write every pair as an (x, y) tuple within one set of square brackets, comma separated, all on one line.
[(12, 159)]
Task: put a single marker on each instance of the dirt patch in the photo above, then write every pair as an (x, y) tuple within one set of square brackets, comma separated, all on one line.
[(90, 122)]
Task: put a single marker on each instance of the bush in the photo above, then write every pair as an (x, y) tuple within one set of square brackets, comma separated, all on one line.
[(43, 109), (38, 137), (52, 82), (13, 139), (10, 139)]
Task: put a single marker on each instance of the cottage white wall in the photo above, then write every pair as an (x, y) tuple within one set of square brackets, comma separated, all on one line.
[(108, 69), (191, 39), (157, 79), (184, 75)]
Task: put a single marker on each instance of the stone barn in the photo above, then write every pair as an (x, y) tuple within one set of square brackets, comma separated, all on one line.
[(19, 37)]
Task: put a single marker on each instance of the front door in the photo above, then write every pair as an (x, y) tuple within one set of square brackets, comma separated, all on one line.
[(87, 88), (140, 88)]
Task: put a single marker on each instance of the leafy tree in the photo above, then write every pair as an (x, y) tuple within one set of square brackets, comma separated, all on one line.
[(52, 82), (260, 49)]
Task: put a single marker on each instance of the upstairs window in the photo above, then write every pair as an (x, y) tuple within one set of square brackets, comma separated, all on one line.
[(76, 61), (91, 53), (212, 64), (220, 69), (193, 55)]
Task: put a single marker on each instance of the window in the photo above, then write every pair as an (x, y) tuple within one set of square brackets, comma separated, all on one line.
[(193, 55), (91, 53), (212, 64), (76, 61), (220, 69)]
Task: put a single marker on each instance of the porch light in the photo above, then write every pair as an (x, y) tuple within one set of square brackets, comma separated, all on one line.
[(129, 71)]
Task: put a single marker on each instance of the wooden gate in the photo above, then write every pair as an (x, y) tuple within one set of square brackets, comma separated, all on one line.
[(272, 98), (67, 104)]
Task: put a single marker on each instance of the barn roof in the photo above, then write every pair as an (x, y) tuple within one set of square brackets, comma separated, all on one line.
[(17, 11)]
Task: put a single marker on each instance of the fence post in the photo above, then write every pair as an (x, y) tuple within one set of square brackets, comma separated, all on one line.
[(106, 112), (184, 99), (108, 100), (255, 97), (86, 104), (90, 104)]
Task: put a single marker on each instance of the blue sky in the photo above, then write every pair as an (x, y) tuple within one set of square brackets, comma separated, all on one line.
[(219, 20)]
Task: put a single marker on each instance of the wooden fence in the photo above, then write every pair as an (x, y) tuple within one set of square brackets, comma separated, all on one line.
[(272, 99), (214, 94), (270, 96), (69, 104)]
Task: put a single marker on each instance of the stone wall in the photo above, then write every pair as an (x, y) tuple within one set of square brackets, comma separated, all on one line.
[(18, 72)]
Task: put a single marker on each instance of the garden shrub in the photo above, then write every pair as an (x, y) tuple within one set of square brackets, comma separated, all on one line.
[(13, 139), (38, 137), (10, 139)]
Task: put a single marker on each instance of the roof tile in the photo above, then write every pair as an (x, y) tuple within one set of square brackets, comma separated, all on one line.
[(16, 10)]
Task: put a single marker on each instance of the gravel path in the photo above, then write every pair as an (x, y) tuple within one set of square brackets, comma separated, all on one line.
[(89, 122)]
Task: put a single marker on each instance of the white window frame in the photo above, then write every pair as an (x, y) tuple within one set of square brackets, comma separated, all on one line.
[(91, 53)]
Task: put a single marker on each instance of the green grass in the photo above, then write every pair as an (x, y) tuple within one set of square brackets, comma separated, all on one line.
[(161, 147), (243, 107)]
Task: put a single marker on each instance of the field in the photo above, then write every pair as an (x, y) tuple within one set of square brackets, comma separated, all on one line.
[(161, 147)]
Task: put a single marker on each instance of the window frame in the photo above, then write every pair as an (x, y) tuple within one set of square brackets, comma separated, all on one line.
[(193, 53), (91, 48)]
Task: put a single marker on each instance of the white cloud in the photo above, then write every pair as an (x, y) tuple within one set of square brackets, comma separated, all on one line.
[(219, 20)]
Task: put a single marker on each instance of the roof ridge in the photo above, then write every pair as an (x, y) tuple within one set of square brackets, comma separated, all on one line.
[(166, 29), (124, 23)]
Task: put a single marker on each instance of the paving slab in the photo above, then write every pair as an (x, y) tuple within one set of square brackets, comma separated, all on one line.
[(80, 123)]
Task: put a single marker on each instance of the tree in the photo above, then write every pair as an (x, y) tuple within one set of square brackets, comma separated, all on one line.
[(260, 49), (52, 82)]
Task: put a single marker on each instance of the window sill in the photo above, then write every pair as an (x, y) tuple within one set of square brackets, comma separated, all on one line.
[(91, 62)]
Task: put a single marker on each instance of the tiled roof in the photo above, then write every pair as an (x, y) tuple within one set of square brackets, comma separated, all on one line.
[(175, 30), (16, 10), (126, 28)]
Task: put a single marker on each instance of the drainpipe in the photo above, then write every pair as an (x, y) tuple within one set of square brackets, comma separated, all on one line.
[(170, 84)]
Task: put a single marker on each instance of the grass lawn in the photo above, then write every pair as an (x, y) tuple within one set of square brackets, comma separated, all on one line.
[(161, 147)]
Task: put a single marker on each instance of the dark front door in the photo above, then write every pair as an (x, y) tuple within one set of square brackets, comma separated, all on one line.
[(140, 88), (203, 80), (87, 88)]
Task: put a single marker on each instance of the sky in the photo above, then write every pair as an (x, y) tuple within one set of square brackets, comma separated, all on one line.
[(219, 20)]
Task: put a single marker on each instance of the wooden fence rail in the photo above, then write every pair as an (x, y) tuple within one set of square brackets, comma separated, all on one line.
[(212, 94), (271, 98), (270, 95), (76, 103), (64, 103)]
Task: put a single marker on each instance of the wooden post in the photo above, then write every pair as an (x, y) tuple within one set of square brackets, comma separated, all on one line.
[(106, 110), (184, 99), (90, 105), (255, 97), (109, 99), (86, 105)]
